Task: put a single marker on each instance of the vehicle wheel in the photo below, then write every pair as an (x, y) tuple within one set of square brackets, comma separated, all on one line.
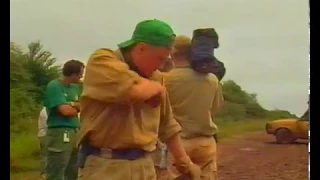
[(284, 136)]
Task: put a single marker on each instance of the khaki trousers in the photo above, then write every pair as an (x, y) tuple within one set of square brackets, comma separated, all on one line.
[(98, 168), (203, 152)]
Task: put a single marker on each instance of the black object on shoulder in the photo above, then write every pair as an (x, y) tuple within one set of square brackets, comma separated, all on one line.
[(218, 68), (202, 60)]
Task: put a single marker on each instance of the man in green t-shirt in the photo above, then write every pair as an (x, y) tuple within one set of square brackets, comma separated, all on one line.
[(61, 100)]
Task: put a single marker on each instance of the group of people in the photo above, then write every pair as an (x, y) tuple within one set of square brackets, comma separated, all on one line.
[(131, 113)]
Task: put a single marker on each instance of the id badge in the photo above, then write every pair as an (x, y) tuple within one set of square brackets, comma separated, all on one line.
[(66, 137)]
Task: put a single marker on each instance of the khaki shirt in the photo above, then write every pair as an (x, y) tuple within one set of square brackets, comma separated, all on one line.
[(195, 98), (108, 119)]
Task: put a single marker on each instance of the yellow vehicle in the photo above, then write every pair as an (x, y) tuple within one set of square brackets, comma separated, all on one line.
[(288, 131)]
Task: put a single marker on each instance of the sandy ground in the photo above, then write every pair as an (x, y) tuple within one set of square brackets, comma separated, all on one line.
[(252, 156), (255, 156)]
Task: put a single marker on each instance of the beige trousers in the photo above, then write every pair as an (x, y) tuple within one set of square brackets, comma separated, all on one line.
[(203, 152), (97, 168)]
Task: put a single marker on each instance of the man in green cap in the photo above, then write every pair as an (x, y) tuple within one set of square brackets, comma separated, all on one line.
[(125, 108)]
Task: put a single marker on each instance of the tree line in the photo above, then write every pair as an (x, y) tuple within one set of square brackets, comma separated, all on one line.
[(32, 67)]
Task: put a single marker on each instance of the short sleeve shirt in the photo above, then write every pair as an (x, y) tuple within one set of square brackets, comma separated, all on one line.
[(57, 94)]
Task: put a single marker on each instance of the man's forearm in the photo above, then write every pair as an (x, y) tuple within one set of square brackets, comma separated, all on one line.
[(67, 110), (144, 90), (175, 147), (183, 162)]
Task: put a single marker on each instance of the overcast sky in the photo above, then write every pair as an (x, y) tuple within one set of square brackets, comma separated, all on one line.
[(263, 43)]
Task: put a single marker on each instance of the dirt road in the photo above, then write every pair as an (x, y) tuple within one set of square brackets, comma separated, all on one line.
[(255, 156)]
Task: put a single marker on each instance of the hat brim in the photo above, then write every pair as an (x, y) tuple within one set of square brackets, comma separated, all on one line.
[(126, 43)]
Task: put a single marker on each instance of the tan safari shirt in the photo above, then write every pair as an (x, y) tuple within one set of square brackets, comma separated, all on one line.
[(195, 99), (108, 119)]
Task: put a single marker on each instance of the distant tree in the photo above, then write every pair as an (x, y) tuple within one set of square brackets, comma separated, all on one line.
[(30, 72), (21, 100), (234, 93), (280, 114), (19, 76), (41, 66), (253, 98), (240, 104)]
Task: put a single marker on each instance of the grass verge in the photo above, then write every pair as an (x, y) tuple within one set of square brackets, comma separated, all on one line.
[(24, 152), (228, 129)]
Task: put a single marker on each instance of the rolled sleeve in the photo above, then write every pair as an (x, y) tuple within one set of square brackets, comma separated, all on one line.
[(168, 125), (107, 78)]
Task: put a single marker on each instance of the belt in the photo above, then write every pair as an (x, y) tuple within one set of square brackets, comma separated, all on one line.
[(76, 129), (126, 154)]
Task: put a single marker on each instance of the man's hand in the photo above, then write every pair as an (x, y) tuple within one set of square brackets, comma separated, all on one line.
[(194, 172), (161, 145), (185, 166), (75, 105), (182, 162), (154, 101), (154, 87)]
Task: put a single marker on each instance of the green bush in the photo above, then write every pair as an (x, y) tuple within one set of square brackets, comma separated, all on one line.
[(30, 71), (240, 105), (22, 105), (280, 114), (24, 151), (228, 128), (232, 111)]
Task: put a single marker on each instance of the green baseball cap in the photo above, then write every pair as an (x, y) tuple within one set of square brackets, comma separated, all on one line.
[(154, 32)]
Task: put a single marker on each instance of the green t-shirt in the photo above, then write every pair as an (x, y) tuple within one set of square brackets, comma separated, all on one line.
[(57, 94)]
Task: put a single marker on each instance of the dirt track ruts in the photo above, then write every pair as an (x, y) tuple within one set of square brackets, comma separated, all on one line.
[(255, 156)]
